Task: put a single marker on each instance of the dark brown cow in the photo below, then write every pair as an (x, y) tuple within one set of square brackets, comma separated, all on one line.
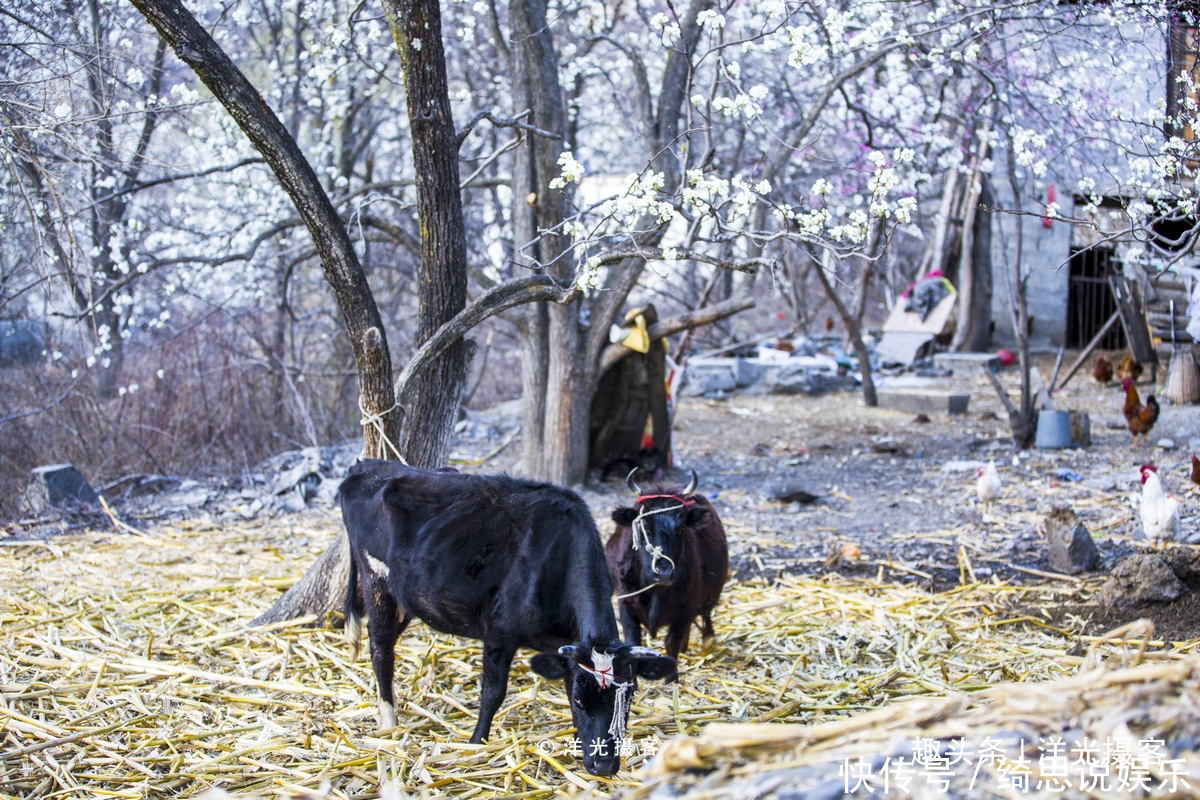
[(669, 560)]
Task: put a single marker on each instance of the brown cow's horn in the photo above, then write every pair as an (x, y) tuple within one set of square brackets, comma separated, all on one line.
[(569, 650), (633, 487), (691, 487)]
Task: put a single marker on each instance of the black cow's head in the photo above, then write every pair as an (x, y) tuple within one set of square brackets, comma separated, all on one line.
[(600, 681), (658, 521)]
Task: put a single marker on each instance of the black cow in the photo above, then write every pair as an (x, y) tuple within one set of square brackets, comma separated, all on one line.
[(507, 561), (669, 560)]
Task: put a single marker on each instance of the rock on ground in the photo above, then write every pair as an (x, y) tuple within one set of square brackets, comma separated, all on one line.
[(1071, 547), (1139, 580)]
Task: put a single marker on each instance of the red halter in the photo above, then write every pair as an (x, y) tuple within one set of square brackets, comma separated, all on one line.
[(644, 497)]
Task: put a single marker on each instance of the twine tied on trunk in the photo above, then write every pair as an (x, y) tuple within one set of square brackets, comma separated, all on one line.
[(373, 420)]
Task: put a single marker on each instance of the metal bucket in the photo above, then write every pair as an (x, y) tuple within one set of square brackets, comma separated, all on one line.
[(1053, 430)]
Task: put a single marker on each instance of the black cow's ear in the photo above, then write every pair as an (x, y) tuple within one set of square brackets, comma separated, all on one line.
[(551, 666), (694, 515), (624, 516), (658, 668)]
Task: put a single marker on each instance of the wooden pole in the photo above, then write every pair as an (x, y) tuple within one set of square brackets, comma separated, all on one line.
[(1057, 366), (1087, 351)]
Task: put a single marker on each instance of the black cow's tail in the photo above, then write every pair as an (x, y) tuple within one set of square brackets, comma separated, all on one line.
[(353, 611)]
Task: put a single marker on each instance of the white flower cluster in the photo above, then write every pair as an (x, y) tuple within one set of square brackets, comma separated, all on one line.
[(572, 171), (588, 276), (641, 199), (668, 30), (742, 102), (1026, 145), (807, 48)]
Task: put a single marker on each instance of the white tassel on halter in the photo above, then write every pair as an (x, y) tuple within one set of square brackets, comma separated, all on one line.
[(621, 703)]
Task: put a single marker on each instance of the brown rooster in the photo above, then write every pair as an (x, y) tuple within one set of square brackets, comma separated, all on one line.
[(1103, 372), (1139, 418), (1195, 471), (1128, 368)]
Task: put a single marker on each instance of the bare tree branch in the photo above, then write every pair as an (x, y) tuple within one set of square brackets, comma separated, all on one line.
[(505, 296), (656, 254), (503, 122), (137, 187)]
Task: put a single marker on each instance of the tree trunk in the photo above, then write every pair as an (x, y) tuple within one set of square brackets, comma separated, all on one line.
[(979, 331), (433, 398), (853, 329), (1023, 417), (934, 254), (533, 332), (196, 48), (1177, 40), (556, 436), (550, 336), (966, 272), (533, 325), (974, 288), (320, 590)]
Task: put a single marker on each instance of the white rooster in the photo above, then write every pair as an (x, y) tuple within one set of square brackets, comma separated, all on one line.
[(987, 486), (1158, 510)]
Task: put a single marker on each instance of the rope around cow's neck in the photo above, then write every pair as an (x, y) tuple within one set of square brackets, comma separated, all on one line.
[(640, 535)]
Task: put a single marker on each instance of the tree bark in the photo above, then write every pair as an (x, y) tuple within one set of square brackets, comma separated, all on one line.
[(1022, 417), (108, 208), (432, 398), (319, 591), (979, 331), (533, 325), (852, 329), (1177, 40), (196, 48), (974, 289), (549, 334)]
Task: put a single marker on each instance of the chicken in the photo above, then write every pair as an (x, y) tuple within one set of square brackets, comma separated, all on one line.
[(1158, 510), (1128, 368), (987, 486), (1139, 418), (1195, 471), (1103, 371)]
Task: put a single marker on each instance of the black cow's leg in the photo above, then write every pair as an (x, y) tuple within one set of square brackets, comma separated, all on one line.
[(677, 637), (630, 626), (497, 659), (709, 634), (384, 625), (707, 630)]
